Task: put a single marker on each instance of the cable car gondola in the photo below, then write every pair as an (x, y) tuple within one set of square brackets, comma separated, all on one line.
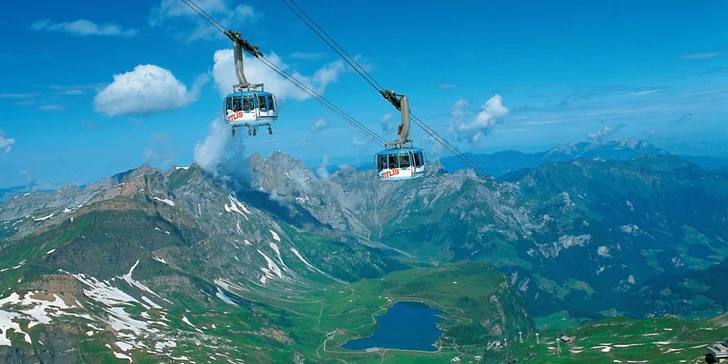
[(249, 105), (400, 160)]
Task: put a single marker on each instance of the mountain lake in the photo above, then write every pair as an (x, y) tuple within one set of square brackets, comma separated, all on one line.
[(406, 326)]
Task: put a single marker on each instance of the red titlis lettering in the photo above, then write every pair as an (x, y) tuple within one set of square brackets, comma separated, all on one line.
[(232, 116), (391, 173)]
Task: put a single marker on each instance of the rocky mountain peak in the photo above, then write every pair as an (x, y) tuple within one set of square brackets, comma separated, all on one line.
[(283, 160)]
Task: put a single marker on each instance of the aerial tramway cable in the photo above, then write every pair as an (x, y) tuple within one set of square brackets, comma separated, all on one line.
[(376, 85), (305, 88), (361, 127)]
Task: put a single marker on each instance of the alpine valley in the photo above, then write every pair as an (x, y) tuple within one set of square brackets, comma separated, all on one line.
[(263, 261)]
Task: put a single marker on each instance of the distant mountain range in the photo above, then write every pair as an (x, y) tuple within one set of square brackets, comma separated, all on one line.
[(499, 163), (579, 232)]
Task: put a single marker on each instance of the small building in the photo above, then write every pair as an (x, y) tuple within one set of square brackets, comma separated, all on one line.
[(566, 338), (717, 353)]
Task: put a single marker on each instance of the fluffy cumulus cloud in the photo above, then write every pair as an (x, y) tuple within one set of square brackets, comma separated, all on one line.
[(256, 72), (209, 152), (6, 144), (84, 27), (189, 26), (145, 90), (604, 132), (319, 124), (471, 127)]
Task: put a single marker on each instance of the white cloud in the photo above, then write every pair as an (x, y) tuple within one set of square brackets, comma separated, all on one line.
[(222, 10), (51, 107), (84, 27), (604, 132), (145, 90), (436, 149), (386, 123), (701, 55), (486, 119), (544, 122), (208, 153), (322, 171), (358, 142), (5, 142), (256, 72), (319, 124)]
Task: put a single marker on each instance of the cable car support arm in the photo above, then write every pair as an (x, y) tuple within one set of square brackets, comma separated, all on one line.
[(240, 45), (402, 104)]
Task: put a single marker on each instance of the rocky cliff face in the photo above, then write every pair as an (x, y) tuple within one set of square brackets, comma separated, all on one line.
[(582, 235)]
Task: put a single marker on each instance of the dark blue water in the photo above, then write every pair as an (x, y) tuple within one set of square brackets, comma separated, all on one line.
[(405, 326)]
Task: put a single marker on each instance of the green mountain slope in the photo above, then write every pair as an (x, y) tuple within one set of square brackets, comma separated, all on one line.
[(620, 340), (175, 267), (583, 236)]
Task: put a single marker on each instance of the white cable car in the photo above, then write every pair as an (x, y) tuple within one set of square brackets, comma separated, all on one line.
[(400, 160), (249, 105)]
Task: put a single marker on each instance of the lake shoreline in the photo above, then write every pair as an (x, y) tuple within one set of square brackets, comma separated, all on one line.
[(389, 323)]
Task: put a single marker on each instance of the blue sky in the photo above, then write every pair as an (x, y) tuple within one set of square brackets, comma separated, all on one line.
[(554, 72)]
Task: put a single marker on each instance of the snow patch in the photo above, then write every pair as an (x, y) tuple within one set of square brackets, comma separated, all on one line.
[(278, 253), (236, 206), (128, 279), (185, 320), (275, 236), (272, 265), (43, 218), (225, 298), (305, 261), (168, 202), (122, 356), (33, 309)]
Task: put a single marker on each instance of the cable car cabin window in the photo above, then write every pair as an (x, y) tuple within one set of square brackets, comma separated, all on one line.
[(228, 103), (382, 162), (247, 103), (417, 160), (404, 161), (236, 103), (271, 104), (261, 103), (392, 161)]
